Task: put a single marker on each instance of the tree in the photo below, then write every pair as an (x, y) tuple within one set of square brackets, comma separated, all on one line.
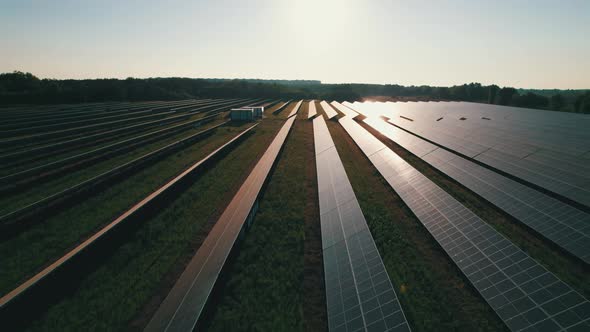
[(505, 95), (17, 81), (557, 102), (530, 100), (582, 104), (20, 87), (492, 93)]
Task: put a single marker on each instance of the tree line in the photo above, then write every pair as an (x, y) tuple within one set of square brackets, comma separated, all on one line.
[(25, 88)]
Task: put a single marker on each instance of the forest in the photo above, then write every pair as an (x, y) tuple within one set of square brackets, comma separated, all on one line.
[(25, 88)]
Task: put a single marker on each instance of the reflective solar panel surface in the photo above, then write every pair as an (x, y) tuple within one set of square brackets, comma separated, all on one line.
[(295, 109), (561, 223), (330, 112), (311, 110), (344, 109), (521, 291), (547, 149), (359, 293)]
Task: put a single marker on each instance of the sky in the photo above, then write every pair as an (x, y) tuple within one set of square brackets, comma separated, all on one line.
[(519, 43)]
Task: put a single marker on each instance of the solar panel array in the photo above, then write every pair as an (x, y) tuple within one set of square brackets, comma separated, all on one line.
[(163, 114), (183, 306), (58, 265), (295, 109), (359, 293), (45, 149), (548, 149), (311, 111), (344, 109), (561, 223), (330, 112), (521, 291)]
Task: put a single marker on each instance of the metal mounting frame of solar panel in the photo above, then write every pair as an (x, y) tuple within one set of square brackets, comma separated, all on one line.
[(330, 112), (311, 111), (505, 150), (560, 223), (359, 293), (520, 290)]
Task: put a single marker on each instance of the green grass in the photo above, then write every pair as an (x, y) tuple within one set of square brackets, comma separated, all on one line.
[(565, 267), (72, 178), (314, 301), (432, 290), (119, 294), (27, 252), (264, 291)]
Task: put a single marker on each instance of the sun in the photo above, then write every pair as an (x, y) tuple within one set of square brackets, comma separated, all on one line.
[(319, 21)]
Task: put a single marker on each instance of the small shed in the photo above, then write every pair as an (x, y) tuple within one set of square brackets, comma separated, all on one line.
[(258, 112), (246, 113), (241, 114)]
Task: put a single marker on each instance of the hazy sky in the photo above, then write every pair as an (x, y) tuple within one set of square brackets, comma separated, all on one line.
[(529, 44)]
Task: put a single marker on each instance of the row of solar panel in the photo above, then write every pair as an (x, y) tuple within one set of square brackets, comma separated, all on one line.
[(92, 119), (493, 131), (359, 293), (18, 153), (563, 224), (295, 109), (330, 112), (311, 111), (547, 163), (522, 292), (48, 202), (143, 137), (58, 269), (282, 107), (536, 129), (89, 126), (47, 115)]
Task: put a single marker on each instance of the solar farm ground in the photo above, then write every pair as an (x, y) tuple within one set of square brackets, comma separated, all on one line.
[(83, 170)]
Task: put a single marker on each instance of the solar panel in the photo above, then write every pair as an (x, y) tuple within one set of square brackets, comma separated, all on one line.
[(359, 293), (312, 111), (295, 109), (521, 291), (561, 223), (344, 109), (41, 170), (183, 306), (38, 150), (281, 108), (330, 113), (52, 271), (540, 147)]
